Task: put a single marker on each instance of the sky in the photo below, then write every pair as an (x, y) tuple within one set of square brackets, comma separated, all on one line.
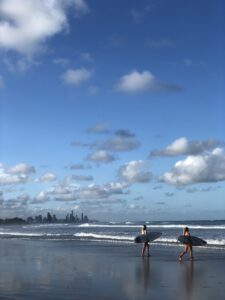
[(112, 108)]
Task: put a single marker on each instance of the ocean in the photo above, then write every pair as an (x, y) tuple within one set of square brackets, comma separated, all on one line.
[(213, 232)]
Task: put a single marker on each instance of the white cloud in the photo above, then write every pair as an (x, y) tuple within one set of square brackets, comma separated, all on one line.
[(42, 197), (208, 167), (6, 179), (21, 168), (26, 24), (101, 156), (136, 171), (182, 146), (101, 192), (135, 82), (47, 177), (16, 174), (67, 192), (62, 192), (135, 207), (76, 76)]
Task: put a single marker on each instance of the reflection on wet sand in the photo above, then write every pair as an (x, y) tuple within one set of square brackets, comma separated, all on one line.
[(146, 272), (187, 278), (143, 272), (79, 270)]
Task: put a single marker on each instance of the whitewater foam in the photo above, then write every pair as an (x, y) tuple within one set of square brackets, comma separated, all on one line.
[(104, 236)]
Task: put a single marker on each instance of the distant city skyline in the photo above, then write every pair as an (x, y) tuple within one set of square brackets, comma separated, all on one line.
[(115, 108), (68, 218)]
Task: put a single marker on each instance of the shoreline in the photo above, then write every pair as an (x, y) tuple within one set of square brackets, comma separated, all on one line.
[(37, 237), (71, 269)]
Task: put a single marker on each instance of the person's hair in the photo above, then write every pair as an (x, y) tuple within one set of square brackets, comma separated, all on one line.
[(144, 226), (186, 229)]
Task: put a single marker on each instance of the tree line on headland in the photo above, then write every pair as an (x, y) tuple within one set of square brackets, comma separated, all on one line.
[(12, 221)]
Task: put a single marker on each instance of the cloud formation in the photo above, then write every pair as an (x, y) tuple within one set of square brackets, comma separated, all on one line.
[(182, 146), (16, 174), (209, 167), (135, 82), (47, 177), (101, 191), (98, 128), (26, 24), (89, 192), (41, 197), (101, 156), (123, 140), (79, 178), (8, 179), (79, 166), (76, 76), (21, 168), (136, 171)]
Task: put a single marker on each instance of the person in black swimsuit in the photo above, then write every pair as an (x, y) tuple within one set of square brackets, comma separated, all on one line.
[(145, 244)]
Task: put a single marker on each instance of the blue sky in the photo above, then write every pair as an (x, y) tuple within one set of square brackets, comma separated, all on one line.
[(113, 108)]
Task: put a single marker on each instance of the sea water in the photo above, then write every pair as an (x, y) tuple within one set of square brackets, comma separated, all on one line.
[(213, 232)]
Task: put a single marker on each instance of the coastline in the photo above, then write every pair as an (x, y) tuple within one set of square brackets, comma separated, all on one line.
[(53, 269)]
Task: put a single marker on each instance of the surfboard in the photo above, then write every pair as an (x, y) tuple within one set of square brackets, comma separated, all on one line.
[(191, 240), (150, 237)]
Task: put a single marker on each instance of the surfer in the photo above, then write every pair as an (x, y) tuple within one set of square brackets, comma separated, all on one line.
[(145, 244), (187, 247)]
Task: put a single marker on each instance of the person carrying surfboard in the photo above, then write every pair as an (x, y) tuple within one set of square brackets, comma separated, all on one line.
[(145, 244), (187, 247)]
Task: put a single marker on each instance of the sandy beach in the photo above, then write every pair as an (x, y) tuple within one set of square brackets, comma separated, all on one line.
[(49, 269)]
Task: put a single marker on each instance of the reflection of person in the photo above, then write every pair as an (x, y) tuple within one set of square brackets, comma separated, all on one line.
[(145, 273), (145, 244), (187, 247)]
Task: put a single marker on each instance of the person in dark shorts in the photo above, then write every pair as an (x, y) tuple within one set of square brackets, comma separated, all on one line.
[(187, 247)]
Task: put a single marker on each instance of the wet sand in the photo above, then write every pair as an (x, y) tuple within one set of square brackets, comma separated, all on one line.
[(41, 269)]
